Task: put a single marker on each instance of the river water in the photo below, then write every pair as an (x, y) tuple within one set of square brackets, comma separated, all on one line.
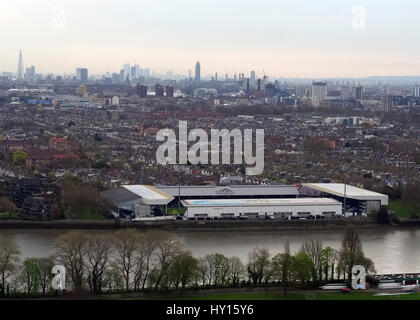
[(392, 250)]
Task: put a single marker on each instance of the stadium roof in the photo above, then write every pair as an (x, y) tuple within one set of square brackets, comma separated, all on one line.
[(260, 202), (351, 192), (141, 193), (149, 194), (236, 190)]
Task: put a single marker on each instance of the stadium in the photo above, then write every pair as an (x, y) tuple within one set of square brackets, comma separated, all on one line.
[(270, 202)]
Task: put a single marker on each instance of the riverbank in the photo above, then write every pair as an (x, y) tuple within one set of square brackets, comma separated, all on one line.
[(189, 226), (209, 225)]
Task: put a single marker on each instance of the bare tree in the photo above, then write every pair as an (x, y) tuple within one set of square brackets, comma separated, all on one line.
[(126, 243), (351, 251), (9, 259), (144, 259), (167, 248), (98, 255), (259, 265), (236, 270), (45, 266), (70, 250), (313, 248), (203, 270), (282, 267)]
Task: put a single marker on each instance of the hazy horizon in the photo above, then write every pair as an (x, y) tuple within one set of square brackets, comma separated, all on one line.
[(299, 39)]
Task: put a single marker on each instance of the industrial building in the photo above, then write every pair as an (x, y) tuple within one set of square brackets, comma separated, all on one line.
[(283, 209)]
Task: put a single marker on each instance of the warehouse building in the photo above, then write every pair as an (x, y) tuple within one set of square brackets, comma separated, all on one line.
[(358, 201), (283, 209)]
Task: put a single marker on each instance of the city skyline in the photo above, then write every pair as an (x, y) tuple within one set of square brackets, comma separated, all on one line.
[(284, 39)]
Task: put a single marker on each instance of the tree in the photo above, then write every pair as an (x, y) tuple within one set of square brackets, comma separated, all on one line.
[(183, 269), (221, 269), (19, 158), (144, 259), (313, 248), (236, 270), (259, 265), (81, 201), (113, 277), (70, 250), (9, 259), (45, 266), (351, 251), (98, 254), (126, 243), (282, 267), (328, 260), (30, 275), (167, 249), (303, 267), (6, 205), (203, 270)]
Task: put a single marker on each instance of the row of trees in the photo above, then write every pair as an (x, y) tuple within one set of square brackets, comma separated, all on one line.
[(127, 260)]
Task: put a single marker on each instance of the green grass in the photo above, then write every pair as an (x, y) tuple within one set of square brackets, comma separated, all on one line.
[(400, 209), (88, 215), (9, 215), (176, 211), (298, 296)]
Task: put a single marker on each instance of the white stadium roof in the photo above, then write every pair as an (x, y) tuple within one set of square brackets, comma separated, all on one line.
[(150, 195), (351, 192)]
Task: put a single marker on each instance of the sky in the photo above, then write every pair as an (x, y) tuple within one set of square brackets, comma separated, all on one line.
[(293, 38)]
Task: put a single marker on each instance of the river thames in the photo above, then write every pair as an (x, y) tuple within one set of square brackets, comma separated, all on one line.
[(392, 250)]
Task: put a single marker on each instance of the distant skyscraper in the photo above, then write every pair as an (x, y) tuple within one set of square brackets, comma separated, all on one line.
[(252, 77), (416, 91), (141, 91), (169, 91), (20, 66), (319, 93), (30, 74), (127, 71), (359, 93), (82, 74), (387, 104), (197, 71), (159, 92)]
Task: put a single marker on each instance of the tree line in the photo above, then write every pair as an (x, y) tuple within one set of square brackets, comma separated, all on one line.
[(127, 260)]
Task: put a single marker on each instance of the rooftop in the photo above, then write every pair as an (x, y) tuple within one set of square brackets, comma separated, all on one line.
[(350, 191), (235, 190), (262, 202)]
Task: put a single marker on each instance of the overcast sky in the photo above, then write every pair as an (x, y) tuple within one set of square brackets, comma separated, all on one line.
[(293, 38)]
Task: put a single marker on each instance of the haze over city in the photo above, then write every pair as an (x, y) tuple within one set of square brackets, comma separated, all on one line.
[(210, 150), (284, 38)]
